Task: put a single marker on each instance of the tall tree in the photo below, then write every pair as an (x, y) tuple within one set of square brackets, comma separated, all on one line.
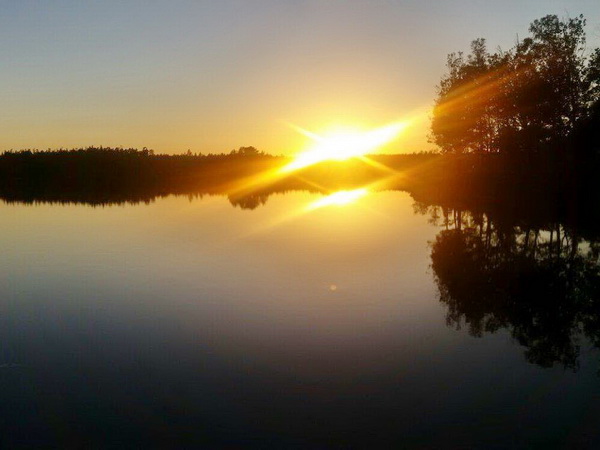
[(519, 100)]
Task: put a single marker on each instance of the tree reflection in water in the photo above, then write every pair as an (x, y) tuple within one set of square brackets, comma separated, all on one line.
[(542, 283)]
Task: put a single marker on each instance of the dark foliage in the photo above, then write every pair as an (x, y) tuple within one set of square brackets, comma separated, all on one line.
[(528, 99)]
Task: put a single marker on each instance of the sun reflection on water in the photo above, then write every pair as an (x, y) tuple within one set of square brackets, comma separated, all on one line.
[(339, 198)]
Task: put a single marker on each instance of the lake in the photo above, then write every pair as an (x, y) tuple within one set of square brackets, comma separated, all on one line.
[(299, 323)]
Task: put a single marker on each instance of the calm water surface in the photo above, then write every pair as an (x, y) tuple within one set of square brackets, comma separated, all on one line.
[(194, 323)]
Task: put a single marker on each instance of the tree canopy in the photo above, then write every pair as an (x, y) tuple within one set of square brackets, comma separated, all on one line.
[(522, 99)]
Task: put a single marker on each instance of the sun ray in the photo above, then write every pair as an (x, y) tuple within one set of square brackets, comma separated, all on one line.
[(378, 165), (304, 132)]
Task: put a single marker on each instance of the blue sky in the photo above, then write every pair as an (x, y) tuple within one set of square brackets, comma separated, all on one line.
[(212, 76)]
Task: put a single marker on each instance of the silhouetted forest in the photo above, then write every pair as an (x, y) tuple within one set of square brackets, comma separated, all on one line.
[(98, 176), (103, 176)]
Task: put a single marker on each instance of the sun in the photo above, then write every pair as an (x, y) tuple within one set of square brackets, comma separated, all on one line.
[(342, 145)]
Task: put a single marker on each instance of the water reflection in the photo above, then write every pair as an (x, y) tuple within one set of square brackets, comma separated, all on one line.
[(250, 201), (339, 198), (532, 268), (173, 324), (542, 283)]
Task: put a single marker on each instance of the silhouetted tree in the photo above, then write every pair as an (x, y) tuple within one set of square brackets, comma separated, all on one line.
[(523, 99)]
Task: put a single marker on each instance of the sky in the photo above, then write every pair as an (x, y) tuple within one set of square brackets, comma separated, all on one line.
[(212, 76)]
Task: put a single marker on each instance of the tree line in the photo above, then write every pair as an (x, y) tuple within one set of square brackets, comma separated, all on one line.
[(531, 98), (103, 176)]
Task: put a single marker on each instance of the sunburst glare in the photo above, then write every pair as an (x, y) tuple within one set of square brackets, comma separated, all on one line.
[(344, 145)]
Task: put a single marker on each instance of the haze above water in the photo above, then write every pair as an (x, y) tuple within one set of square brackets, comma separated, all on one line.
[(195, 322)]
